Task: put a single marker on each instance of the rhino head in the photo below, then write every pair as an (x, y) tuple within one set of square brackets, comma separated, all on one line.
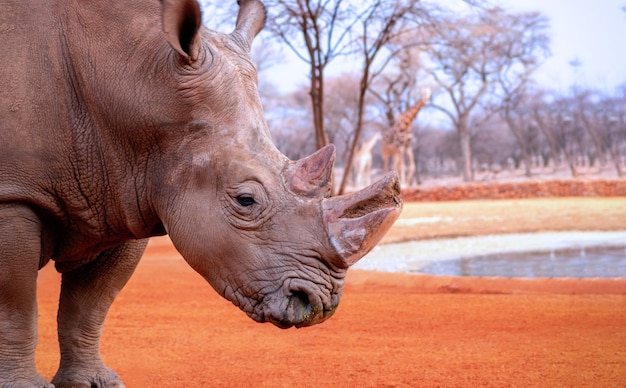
[(263, 230)]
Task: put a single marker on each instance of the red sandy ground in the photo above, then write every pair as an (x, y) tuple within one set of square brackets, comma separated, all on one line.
[(168, 328)]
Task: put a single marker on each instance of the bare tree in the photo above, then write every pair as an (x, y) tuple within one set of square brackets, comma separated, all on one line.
[(323, 28), (600, 116), (518, 115), (384, 30), (611, 117), (289, 118), (319, 31), (440, 150), (527, 48), (475, 53), (341, 108), (556, 119), (396, 90), (493, 149)]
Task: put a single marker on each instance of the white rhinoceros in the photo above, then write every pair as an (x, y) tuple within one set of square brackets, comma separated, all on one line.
[(122, 120)]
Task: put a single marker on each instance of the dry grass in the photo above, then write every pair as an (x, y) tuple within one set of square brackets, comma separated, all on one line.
[(421, 220)]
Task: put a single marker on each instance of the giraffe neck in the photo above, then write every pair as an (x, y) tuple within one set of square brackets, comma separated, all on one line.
[(399, 135), (367, 146), (406, 119)]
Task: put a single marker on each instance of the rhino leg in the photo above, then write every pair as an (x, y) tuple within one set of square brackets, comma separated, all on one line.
[(20, 257), (86, 295)]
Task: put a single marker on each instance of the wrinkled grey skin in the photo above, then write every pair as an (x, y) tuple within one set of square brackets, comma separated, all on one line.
[(125, 120)]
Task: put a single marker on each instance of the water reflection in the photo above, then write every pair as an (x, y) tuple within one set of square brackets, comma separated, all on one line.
[(587, 262), (553, 254)]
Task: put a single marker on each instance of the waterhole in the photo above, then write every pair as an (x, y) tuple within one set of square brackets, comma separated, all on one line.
[(561, 254), (590, 262)]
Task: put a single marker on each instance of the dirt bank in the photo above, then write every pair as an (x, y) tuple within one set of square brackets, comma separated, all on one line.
[(170, 329)]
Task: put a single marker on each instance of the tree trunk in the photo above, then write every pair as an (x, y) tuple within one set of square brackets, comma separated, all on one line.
[(522, 141), (317, 104), (571, 161), (466, 152), (417, 178), (615, 157), (549, 135), (357, 133), (527, 164)]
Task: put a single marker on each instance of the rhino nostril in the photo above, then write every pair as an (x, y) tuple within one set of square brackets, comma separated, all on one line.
[(299, 307)]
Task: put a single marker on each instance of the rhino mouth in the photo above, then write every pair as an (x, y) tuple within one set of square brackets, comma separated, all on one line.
[(298, 309), (301, 313)]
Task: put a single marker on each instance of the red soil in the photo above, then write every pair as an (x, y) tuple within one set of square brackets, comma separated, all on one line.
[(168, 328)]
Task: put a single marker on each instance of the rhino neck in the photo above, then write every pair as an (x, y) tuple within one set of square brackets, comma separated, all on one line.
[(102, 147)]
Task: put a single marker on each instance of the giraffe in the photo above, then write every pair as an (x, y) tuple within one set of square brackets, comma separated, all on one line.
[(362, 167), (397, 151)]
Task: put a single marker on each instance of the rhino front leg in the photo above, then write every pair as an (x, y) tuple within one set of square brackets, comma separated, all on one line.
[(20, 257), (86, 295)]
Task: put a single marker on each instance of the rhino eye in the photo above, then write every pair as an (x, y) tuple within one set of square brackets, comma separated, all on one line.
[(245, 200)]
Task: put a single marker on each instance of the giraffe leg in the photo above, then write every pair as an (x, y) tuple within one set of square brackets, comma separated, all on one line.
[(411, 168), (398, 165), (385, 155)]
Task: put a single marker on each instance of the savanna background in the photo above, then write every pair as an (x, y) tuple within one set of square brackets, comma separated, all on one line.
[(502, 147), (520, 89)]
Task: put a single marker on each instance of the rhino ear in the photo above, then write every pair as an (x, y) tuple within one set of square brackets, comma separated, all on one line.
[(181, 22), (250, 20)]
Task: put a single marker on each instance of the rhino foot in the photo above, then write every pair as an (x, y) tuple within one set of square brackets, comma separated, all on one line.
[(102, 378), (36, 381)]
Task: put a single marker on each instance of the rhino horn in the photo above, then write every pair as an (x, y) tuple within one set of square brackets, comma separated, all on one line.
[(356, 222), (311, 177), (250, 20), (181, 22)]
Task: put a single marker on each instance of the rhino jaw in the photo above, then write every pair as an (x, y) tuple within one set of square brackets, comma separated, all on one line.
[(356, 222)]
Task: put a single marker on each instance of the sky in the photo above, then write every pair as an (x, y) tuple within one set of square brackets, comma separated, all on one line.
[(590, 32)]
